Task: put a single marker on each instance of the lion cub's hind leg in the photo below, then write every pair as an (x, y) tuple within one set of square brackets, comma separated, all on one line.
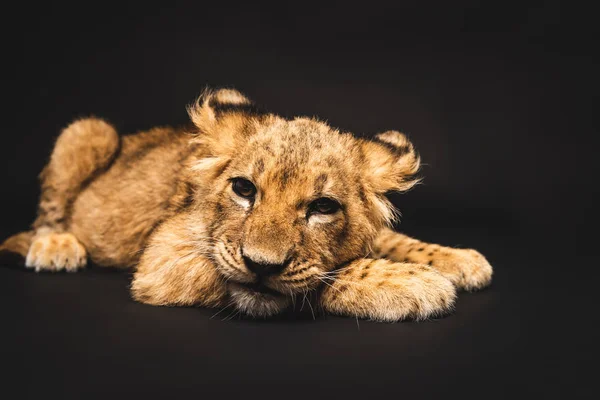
[(56, 251), (82, 149)]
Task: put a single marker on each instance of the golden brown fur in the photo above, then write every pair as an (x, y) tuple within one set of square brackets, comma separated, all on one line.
[(166, 203)]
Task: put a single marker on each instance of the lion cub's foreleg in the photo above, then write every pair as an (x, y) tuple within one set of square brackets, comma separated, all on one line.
[(384, 290), (466, 268), (83, 148), (174, 270)]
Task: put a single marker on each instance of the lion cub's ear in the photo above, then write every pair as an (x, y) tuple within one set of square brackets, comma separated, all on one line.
[(221, 117), (390, 163), (213, 105)]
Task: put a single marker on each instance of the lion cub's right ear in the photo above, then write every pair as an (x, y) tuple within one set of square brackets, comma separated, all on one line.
[(212, 106), (222, 117)]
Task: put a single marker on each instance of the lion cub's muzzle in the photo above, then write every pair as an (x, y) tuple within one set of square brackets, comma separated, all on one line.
[(256, 297), (262, 270)]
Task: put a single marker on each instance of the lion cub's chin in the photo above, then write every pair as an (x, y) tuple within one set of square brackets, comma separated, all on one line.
[(257, 302)]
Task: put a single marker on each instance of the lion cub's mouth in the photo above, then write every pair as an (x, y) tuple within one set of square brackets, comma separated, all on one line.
[(257, 287), (256, 299)]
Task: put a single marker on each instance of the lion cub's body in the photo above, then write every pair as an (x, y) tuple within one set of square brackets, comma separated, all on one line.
[(114, 214), (162, 201)]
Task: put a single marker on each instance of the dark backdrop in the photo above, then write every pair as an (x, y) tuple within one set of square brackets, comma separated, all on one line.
[(497, 98)]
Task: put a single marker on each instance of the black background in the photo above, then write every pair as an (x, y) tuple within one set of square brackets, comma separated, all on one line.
[(497, 98)]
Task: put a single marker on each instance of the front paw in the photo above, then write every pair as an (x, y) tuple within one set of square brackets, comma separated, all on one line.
[(466, 268), (383, 290)]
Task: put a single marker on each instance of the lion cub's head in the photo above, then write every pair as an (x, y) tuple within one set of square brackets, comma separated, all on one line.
[(284, 202)]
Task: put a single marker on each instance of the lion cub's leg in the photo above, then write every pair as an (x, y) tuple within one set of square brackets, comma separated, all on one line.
[(384, 290), (174, 269), (82, 149), (466, 268)]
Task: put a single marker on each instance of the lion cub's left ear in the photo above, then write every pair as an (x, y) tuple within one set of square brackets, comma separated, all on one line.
[(390, 163)]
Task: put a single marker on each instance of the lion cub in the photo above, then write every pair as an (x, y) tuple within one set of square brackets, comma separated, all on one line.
[(246, 209)]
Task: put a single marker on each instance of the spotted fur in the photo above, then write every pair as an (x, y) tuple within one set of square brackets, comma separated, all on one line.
[(162, 202)]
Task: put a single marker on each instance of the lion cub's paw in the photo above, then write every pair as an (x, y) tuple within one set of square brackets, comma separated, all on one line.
[(56, 252), (391, 292), (466, 268)]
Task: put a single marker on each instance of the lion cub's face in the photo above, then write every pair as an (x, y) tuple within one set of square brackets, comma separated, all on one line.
[(285, 202)]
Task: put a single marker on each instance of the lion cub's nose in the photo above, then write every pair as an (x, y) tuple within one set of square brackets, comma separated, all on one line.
[(263, 269)]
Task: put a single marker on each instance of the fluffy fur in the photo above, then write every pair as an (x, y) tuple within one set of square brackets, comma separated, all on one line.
[(162, 202)]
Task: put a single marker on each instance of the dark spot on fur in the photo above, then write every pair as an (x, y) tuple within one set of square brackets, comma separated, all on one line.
[(320, 183), (444, 301), (343, 233), (343, 288), (421, 249), (430, 262), (188, 198), (411, 272), (416, 306), (301, 241), (364, 275), (286, 174), (362, 195), (260, 166), (430, 254), (323, 259), (222, 168), (333, 294)]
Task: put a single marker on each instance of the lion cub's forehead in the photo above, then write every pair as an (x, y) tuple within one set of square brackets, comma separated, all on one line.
[(301, 139), (305, 154)]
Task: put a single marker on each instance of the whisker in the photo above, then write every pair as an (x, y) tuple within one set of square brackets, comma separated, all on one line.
[(311, 309), (233, 316), (223, 309), (303, 300), (330, 285), (230, 314), (346, 281)]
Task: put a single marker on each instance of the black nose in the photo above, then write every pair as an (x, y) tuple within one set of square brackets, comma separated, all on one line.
[(263, 269)]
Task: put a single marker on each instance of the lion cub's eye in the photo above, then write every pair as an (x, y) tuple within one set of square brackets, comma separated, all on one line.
[(323, 206), (244, 188)]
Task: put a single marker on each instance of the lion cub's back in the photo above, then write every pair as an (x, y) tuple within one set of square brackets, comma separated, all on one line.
[(115, 213)]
